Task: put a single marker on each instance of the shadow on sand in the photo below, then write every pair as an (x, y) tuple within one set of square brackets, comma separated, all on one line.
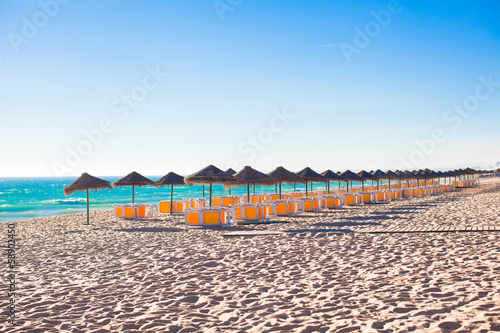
[(146, 229), (299, 231)]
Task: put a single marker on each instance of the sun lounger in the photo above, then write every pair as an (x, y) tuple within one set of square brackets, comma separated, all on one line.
[(383, 196), (261, 212), (254, 198), (353, 199), (209, 217), (227, 200), (177, 207), (144, 211), (125, 211), (288, 207), (368, 197), (135, 211), (194, 202), (334, 201), (313, 204)]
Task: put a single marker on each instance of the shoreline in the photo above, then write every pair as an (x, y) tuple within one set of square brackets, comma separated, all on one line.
[(155, 275)]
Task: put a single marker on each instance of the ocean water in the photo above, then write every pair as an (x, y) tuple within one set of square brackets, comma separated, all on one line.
[(26, 198)]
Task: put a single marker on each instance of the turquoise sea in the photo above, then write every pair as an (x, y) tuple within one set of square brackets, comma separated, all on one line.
[(27, 198)]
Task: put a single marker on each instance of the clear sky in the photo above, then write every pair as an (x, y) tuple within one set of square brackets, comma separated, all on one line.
[(109, 87)]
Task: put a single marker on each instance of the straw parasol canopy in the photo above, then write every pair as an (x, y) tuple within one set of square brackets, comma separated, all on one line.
[(366, 175), (392, 175), (329, 175), (133, 179), (230, 171), (171, 179), (248, 175), (282, 175), (209, 175), (379, 174), (87, 182), (348, 175), (309, 175)]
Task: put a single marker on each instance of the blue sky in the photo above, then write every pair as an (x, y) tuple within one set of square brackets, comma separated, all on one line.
[(163, 86)]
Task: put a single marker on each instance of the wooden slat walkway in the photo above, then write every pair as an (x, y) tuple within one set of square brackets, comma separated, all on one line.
[(381, 230), (375, 230)]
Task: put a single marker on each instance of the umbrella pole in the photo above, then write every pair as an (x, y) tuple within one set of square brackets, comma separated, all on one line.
[(248, 193), (254, 189), (88, 206), (294, 187), (306, 189), (377, 184), (339, 183), (347, 187), (280, 190), (133, 192), (210, 199), (171, 199), (203, 190), (362, 186)]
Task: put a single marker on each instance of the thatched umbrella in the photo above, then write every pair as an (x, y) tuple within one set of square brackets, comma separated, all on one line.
[(470, 173), (366, 176), (231, 172), (379, 174), (133, 179), (340, 179), (86, 182), (393, 175), (330, 175), (307, 174), (431, 174), (347, 176), (419, 174), (248, 175), (282, 175), (171, 179), (209, 175), (406, 175)]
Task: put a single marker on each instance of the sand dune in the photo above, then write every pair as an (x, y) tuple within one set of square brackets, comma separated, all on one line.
[(155, 276)]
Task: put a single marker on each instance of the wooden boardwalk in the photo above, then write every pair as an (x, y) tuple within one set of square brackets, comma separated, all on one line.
[(374, 230), (382, 230)]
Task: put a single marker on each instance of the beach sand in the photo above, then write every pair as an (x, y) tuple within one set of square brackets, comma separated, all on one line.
[(156, 276)]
